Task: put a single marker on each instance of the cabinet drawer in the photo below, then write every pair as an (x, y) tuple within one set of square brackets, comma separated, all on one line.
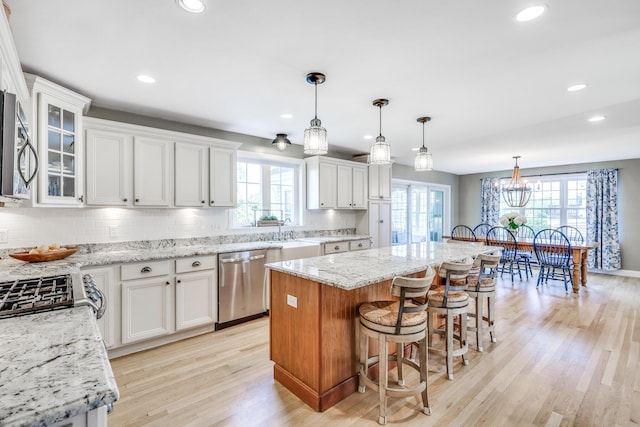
[(358, 245), (185, 265), (141, 270), (332, 248)]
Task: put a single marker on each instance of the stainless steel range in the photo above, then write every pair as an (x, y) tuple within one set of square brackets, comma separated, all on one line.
[(27, 296)]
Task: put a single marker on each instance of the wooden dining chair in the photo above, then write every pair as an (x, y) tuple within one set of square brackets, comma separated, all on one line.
[(553, 250), (510, 261), (463, 232)]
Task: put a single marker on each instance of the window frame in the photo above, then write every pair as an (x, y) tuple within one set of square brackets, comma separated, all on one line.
[(267, 161)]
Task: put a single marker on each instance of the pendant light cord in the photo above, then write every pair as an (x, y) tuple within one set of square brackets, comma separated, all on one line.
[(380, 107), (422, 134), (316, 99)]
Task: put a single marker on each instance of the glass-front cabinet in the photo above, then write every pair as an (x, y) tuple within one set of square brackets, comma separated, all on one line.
[(59, 134)]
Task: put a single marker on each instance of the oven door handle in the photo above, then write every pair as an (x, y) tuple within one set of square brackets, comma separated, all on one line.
[(103, 304)]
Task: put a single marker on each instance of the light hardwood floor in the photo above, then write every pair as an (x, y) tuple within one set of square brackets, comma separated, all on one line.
[(560, 360)]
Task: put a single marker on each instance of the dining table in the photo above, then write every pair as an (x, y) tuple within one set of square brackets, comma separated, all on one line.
[(578, 254)]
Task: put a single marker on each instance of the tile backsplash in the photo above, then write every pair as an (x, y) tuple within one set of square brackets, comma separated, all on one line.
[(34, 226)]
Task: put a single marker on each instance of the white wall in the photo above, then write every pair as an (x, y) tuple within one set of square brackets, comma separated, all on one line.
[(34, 226)]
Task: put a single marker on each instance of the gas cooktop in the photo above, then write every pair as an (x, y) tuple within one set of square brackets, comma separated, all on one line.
[(29, 296)]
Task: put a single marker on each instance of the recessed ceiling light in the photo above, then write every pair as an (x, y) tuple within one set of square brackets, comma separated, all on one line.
[(368, 137), (530, 13), (146, 79), (577, 87), (193, 6), (597, 118), (286, 116), (415, 149)]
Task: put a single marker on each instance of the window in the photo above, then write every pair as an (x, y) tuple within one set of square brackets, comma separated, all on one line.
[(418, 212), (556, 200), (267, 187)]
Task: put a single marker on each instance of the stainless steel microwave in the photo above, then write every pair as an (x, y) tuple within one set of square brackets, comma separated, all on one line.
[(18, 156)]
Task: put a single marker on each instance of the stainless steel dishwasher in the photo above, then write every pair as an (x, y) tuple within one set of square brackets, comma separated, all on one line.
[(241, 293)]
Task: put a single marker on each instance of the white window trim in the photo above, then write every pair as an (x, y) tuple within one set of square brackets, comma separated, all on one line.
[(274, 160)]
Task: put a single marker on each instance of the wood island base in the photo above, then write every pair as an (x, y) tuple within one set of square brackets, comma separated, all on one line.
[(313, 330)]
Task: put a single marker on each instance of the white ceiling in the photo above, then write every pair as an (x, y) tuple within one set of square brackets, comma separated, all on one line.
[(494, 87)]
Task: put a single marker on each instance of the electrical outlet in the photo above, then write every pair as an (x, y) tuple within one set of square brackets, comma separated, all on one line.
[(4, 236), (113, 231)]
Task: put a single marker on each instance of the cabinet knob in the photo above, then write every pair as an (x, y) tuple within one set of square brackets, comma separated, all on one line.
[(321, 204), (203, 202), (125, 200), (137, 200), (167, 283), (212, 202), (179, 281), (381, 221), (81, 198)]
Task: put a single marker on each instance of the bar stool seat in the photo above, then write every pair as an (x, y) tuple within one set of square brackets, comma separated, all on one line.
[(401, 322), (451, 301)]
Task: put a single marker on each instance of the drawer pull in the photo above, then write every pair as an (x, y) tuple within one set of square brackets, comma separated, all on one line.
[(145, 270), (336, 248), (196, 264), (167, 283), (359, 245)]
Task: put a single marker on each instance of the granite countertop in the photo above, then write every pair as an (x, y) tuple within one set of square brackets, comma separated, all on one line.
[(53, 366), (333, 239), (352, 270), (12, 269)]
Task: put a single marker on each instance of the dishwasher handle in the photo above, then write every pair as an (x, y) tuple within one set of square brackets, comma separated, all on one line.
[(232, 260), (255, 257)]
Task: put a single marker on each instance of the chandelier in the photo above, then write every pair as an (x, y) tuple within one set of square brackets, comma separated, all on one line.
[(424, 161), (517, 193), (380, 150), (315, 136)]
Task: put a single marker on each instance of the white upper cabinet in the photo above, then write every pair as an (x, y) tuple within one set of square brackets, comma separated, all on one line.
[(359, 187), (192, 174), (352, 186), (223, 179), (58, 113), (335, 183), (131, 165), (380, 181), (345, 186), (109, 167), (151, 171)]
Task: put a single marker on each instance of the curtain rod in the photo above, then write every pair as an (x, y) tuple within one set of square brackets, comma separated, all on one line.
[(552, 174)]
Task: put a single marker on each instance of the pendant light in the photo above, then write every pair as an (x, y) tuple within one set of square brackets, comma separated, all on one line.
[(517, 193), (315, 136), (424, 161), (281, 142), (380, 150)]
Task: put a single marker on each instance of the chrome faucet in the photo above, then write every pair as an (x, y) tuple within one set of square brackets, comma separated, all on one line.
[(280, 224)]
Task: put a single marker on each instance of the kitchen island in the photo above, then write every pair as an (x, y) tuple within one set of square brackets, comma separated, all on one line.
[(314, 312)]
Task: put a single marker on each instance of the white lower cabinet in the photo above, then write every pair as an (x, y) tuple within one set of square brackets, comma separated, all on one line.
[(195, 299), (380, 223), (147, 308)]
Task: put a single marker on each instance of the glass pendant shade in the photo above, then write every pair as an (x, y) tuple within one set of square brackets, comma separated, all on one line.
[(517, 193), (424, 161), (380, 152), (281, 142), (315, 139)]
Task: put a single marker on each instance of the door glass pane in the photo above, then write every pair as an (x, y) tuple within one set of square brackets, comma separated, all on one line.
[(54, 161), (54, 185), (436, 215), (418, 214), (68, 168), (54, 140), (68, 186), (68, 121), (399, 215), (54, 116), (67, 143)]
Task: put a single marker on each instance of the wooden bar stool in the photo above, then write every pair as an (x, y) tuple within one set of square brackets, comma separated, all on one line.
[(481, 285), (400, 322), (450, 300)]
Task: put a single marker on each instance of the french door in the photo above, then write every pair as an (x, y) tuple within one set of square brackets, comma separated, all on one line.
[(420, 212)]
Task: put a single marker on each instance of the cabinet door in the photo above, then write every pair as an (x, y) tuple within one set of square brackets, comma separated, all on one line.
[(374, 224), (222, 176), (196, 299), (191, 174), (108, 168), (384, 184), (359, 188), (384, 224), (147, 309), (104, 280), (60, 138), (152, 172), (327, 183), (344, 186)]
